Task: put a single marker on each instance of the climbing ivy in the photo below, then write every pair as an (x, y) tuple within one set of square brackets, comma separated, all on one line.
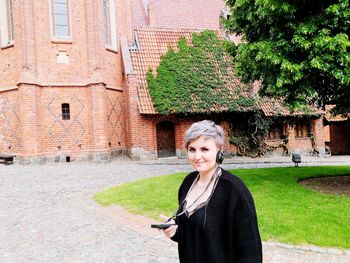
[(198, 78)]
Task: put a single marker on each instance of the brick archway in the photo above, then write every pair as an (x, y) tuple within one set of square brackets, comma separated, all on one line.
[(165, 139)]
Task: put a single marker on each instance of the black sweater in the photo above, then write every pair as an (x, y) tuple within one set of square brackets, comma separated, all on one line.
[(223, 231)]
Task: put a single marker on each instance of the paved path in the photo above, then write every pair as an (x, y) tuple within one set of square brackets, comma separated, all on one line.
[(47, 215)]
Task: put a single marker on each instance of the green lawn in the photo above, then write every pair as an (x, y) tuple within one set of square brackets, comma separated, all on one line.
[(287, 212)]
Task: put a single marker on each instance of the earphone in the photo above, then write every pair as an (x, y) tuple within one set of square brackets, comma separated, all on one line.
[(219, 157)]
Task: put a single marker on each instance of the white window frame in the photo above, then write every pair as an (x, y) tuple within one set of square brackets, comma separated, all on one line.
[(110, 24), (6, 23), (53, 25)]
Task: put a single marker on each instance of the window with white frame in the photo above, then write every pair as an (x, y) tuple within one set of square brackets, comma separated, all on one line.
[(110, 24), (6, 22), (60, 19)]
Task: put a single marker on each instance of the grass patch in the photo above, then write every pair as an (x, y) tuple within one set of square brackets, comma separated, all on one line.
[(287, 212)]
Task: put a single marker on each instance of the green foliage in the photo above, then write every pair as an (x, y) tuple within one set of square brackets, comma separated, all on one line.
[(287, 212), (198, 78), (300, 50)]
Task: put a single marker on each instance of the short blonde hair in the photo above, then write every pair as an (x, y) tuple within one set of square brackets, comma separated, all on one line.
[(205, 128)]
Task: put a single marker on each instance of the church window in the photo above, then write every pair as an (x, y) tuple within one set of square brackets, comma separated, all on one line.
[(110, 24), (60, 17)]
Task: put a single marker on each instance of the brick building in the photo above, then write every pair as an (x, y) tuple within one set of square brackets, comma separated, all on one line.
[(72, 81), (62, 85)]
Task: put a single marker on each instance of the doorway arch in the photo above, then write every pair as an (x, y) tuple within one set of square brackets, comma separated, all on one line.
[(165, 139)]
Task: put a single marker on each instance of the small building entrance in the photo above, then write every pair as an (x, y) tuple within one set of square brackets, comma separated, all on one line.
[(165, 139)]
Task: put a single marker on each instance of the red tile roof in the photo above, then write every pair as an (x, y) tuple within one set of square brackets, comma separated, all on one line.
[(152, 44), (330, 117), (155, 42), (275, 107), (192, 14)]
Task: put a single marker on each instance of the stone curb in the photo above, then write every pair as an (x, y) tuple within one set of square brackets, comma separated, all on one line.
[(308, 248)]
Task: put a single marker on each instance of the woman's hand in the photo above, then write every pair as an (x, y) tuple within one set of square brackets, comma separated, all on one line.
[(170, 231)]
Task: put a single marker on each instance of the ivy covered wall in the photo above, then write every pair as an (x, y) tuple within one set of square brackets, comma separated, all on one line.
[(198, 77)]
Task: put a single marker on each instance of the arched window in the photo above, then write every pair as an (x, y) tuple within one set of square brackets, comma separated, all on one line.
[(110, 24), (65, 111)]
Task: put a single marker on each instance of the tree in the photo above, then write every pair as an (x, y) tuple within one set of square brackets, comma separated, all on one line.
[(298, 49)]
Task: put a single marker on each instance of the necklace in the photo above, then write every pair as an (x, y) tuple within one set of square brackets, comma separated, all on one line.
[(201, 194), (178, 212)]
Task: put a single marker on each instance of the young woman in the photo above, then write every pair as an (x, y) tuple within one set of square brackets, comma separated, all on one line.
[(216, 219)]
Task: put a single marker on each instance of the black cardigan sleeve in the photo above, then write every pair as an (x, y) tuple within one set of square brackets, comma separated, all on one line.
[(246, 241), (248, 246)]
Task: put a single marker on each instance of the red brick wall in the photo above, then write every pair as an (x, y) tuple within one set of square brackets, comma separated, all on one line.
[(298, 145), (10, 138), (115, 121), (34, 126), (58, 135), (29, 115), (9, 69), (340, 139), (319, 134), (326, 132), (34, 54), (31, 121), (10, 58), (304, 144), (141, 130), (46, 49), (228, 147)]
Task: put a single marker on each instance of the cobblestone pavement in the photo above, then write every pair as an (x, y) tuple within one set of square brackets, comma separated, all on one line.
[(47, 215)]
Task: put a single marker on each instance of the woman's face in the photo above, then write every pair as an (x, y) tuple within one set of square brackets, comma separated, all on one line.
[(202, 154)]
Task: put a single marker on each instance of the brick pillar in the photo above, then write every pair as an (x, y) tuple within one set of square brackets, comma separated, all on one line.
[(139, 132), (131, 112), (29, 96), (28, 50), (318, 129), (289, 129), (98, 113), (95, 41)]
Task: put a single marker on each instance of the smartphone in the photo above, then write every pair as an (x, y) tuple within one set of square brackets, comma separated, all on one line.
[(162, 226)]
